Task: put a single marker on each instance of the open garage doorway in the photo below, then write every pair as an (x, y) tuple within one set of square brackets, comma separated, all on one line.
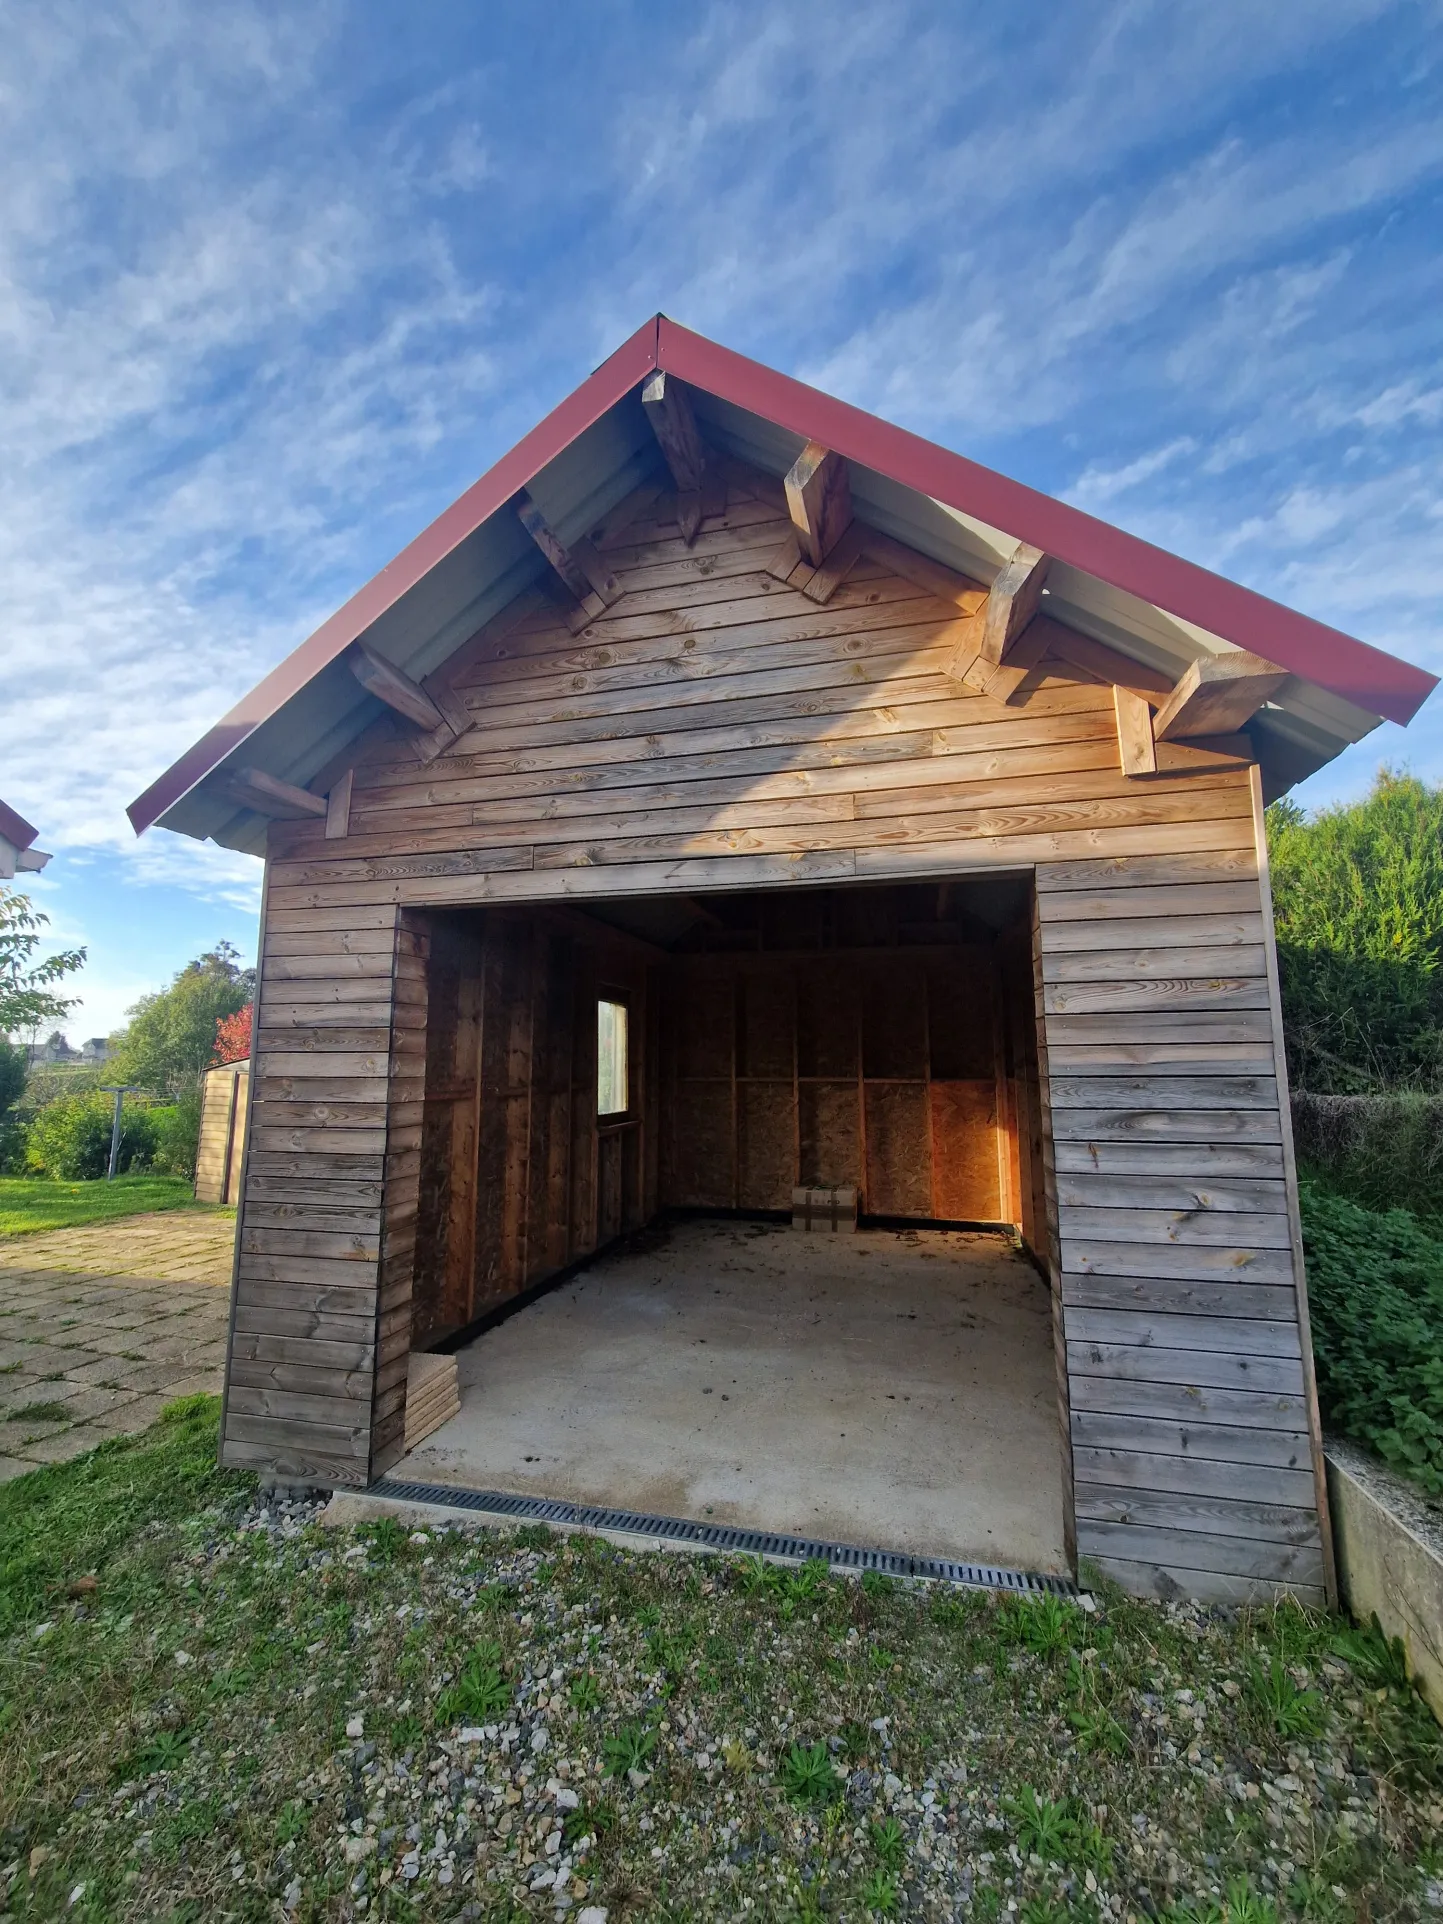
[(620, 1103)]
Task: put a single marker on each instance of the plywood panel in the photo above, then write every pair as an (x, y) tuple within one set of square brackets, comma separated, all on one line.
[(899, 1162), (767, 1143), (966, 1185), (830, 1131)]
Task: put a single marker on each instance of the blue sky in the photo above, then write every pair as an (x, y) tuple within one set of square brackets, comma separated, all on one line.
[(276, 283)]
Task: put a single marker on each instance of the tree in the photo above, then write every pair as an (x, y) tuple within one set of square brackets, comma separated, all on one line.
[(27, 995), (12, 1076), (233, 1035), (170, 1040), (1358, 897)]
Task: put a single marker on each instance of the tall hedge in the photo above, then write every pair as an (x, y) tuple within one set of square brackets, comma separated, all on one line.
[(1358, 896)]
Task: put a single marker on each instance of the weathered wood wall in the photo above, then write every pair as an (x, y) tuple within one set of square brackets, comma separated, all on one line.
[(518, 1177), (717, 730), (225, 1094), (321, 1307)]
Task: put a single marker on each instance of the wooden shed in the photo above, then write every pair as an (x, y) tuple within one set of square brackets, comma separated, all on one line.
[(732, 792), (224, 1102)]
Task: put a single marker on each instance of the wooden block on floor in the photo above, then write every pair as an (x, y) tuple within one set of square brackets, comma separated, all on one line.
[(432, 1395), (829, 1209)]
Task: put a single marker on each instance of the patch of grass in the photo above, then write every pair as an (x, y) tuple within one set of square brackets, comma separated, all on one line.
[(1290, 1711), (29, 1205), (40, 1413), (73, 1519), (237, 1760)]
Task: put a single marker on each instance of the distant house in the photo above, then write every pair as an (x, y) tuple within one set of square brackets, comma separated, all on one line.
[(18, 854)]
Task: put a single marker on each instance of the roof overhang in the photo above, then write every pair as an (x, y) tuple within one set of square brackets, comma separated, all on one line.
[(597, 446)]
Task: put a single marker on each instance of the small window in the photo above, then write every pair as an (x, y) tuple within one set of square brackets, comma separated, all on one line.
[(613, 1065)]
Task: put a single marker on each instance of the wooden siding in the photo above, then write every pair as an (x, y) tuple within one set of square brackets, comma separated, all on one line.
[(716, 730), (518, 1176), (225, 1097), (321, 1308)]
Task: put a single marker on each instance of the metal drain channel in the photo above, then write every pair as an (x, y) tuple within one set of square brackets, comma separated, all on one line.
[(722, 1537)]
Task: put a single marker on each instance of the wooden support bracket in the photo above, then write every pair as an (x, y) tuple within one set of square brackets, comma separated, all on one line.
[(819, 500), (1136, 747), (439, 714), (1217, 694), (338, 807), (700, 484), (1012, 602), (579, 566), (668, 408), (269, 795), (394, 687)]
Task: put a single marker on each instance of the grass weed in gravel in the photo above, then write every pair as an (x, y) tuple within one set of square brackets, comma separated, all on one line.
[(215, 1709)]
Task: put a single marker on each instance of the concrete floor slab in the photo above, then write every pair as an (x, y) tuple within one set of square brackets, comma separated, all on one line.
[(887, 1388)]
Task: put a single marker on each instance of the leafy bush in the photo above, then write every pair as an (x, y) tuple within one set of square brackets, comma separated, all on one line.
[(177, 1136), (1375, 1284), (71, 1138), (1385, 1151), (1358, 897)]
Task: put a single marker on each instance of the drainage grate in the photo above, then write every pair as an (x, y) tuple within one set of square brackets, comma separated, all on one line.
[(722, 1537)]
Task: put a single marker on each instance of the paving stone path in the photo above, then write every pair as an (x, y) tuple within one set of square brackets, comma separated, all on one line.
[(101, 1327)]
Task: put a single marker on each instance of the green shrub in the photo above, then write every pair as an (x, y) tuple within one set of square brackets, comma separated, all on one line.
[(71, 1138), (1384, 1151), (177, 1136), (1358, 897), (1375, 1285)]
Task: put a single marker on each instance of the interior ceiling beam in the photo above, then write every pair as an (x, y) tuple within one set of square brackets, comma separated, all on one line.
[(1217, 695), (269, 795), (580, 569), (819, 501)]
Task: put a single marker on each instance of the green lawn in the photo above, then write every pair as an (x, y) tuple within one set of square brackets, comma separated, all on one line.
[(28, 1204), (205, 1713)]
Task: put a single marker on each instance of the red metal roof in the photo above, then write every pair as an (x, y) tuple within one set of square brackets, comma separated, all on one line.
[(1376, 682)]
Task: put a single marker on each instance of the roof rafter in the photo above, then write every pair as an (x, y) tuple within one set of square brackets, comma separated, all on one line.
[(1217, 694), (581, 570), (819, 500), (269, 795)]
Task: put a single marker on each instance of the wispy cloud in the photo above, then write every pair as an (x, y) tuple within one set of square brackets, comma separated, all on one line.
[(275, 284)]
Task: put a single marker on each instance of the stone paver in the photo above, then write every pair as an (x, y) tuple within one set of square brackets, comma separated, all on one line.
[(175, 1246), (110, 1339)]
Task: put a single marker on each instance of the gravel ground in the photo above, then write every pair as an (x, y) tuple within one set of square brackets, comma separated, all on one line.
[(247, 1715)]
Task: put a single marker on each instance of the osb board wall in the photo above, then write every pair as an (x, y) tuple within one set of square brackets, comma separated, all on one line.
[(874, 1068), (518, 1179), (717, 730)]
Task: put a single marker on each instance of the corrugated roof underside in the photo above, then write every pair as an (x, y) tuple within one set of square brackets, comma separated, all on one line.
[(427, 624), (497, 561)]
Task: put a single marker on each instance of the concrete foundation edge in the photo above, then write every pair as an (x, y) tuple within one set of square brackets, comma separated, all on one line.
[(1386, 1569)]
